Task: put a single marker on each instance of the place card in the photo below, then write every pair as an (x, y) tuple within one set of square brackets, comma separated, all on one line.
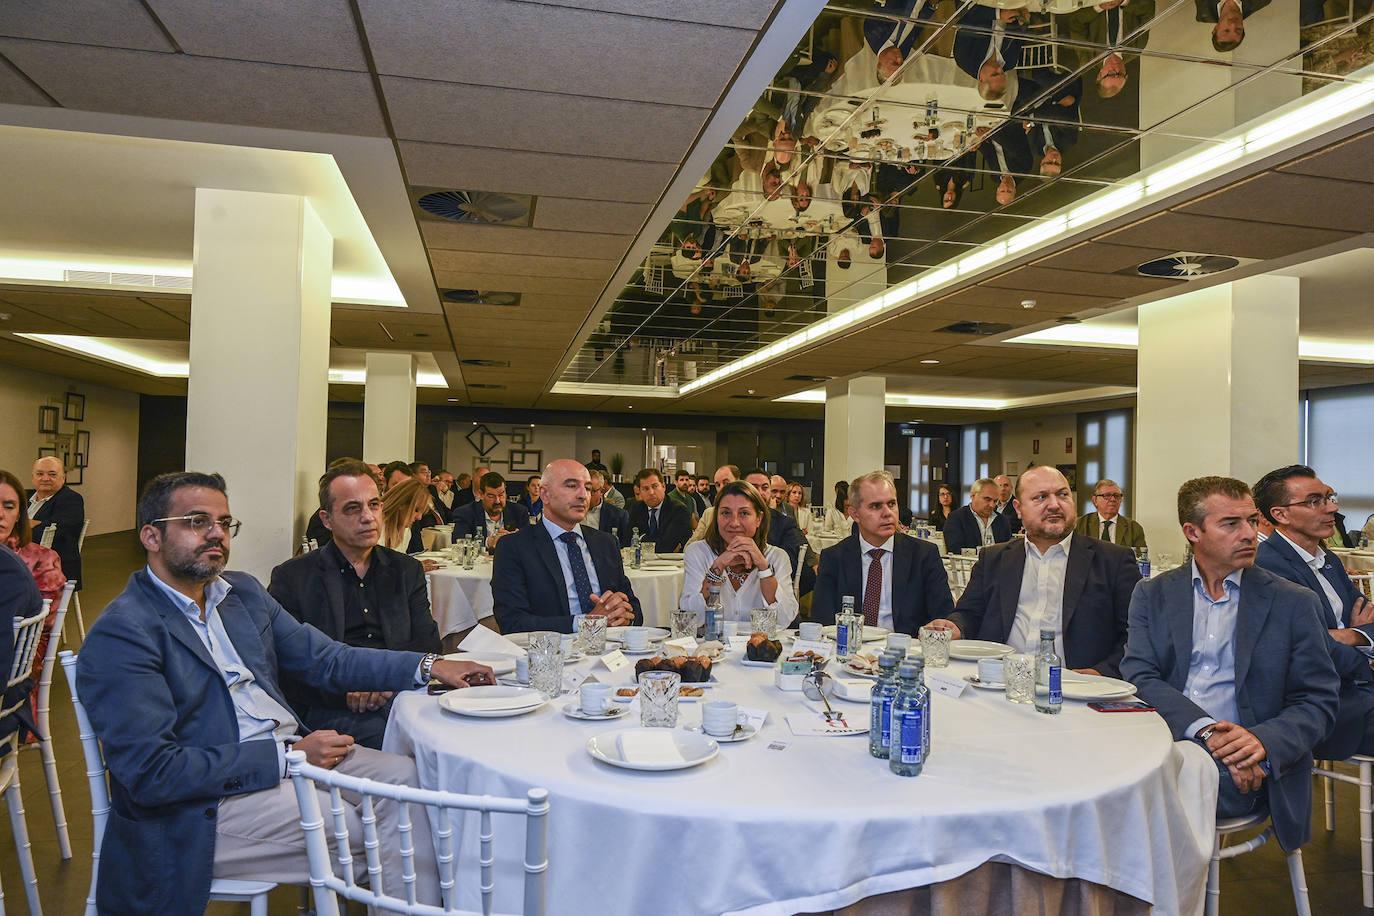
[(614, 660), (754, 717), (948, 683), (739, 642), (815, 724)]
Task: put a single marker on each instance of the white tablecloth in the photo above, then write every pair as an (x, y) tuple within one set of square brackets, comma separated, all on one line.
[(1359, 561), (820, 542), (820, 824), (459, 597)]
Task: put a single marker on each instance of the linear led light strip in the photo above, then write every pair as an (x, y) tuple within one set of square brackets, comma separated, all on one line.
[(817, 396), (1305, 119), (1121, 337)]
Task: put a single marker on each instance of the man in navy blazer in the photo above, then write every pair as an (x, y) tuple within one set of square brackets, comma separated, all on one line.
[(909, 587), (602, 515), (1302, 509), (545, 574), (181, 677), (52, 502), (965, 525), (1234, 658), (491, 517), (1078, 586), (987, 46), (659, 519)]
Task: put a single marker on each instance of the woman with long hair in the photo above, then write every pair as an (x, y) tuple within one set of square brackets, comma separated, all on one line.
[(801, 506), (943, 507), (837, 520), (16, 533), (735, 557), (404, 504)]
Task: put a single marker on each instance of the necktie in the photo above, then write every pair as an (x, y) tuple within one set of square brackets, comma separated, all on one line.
[(653, 522), (581, 581), (1107, 530), (873, 588)]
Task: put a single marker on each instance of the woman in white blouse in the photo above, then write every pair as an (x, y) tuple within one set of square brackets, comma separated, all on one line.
[(837, 520), (736, 556)]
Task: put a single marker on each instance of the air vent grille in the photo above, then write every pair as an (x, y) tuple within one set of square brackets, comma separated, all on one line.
[(489, 208), (975, 328), (107, 278), (481, 297), (486, 386), (487, 363), (1187, 265)]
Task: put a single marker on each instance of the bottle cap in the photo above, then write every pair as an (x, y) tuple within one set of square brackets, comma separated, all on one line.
[(910, 668), (1046, 633), (889, 659)]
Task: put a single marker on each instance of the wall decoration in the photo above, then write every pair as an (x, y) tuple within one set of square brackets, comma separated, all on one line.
[(83, 448), (47, 451), (526, 461), (47, 419), (74, 407), (485, 440), (1070, 472)]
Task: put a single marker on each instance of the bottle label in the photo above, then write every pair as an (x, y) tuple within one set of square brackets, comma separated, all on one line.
[(1144, 569), (912, 737), (842, 639), (885, 723), (1056, 688)]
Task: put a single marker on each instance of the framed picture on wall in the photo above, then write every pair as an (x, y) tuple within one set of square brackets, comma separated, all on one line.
[(47, 419), (83, 448), (74, 408), (47, 451), (74, 475)]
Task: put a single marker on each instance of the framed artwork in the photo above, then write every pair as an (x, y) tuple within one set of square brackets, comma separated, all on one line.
[(74, 408), (47, 419), (74, 475), (526, 461), (47, 451), (83, 447), (1070, 472)]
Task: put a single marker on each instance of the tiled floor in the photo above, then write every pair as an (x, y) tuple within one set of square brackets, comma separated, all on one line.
[(1256, 884)]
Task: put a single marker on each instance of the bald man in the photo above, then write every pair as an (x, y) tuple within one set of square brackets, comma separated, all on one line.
[(544, 575), (1077, 586), (52, 502), (1005, 507)]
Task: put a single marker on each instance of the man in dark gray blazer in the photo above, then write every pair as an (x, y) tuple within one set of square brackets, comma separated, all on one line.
[(602, 515), (967, 525), (1234, 658), (52, 502)]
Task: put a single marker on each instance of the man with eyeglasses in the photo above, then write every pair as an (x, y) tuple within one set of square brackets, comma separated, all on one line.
[(1107, 523), (1303, 509), (182, 676), (601, 514)]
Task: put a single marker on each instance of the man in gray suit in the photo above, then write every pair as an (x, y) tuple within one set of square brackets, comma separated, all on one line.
[(1107, 523), (1235, 658)]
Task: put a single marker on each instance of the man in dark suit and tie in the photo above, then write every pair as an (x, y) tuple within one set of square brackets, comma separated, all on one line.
[(1234, 658), (1121, 27), (1006, 152), (490, 518), (782, 530), (52, 502), (1302, 509), (977, 524), (544, 575), (987, 46), (1229, 17), (1079, 587), (898, 581), (603, 516), (659, 519)]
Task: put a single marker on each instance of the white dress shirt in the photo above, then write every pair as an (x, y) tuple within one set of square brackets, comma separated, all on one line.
[(556, 531), (737, 603), (36, 502), (1211, 680), (593, 519), (1315, 563), (865, 561), (985, 529), (1041, 604)]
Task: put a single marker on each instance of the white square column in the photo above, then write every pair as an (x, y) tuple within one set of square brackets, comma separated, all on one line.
[(855, 410), (389, 408), (1218, 393), (257, 400)]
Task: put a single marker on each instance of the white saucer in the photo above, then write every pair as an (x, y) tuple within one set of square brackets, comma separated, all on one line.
[(656, 634), (744, 734), (693, 749), (650, 650), (573, 710), (984, 685), (492, 702), (974, 649)]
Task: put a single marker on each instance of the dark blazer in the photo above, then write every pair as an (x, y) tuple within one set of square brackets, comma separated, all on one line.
[(1286, 687), (316, 531), (170, 735), (472, 519), (1009, 513), (971, 48), (1207, 9), (1007, 151), (67, 510), (936, 518), (444, 512), (674, 525), (614, 518), (19, 599), (877, 32), (785, 533), (533, 507), (310, 587), (961, 530), (1097, 596), (465, 497), (920, 588), (527, 586)]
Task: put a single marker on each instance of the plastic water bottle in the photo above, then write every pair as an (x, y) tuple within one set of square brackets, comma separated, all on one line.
[(880, 705), (637, 546), (305, 544), (715, 616), (847, 638), (1142, 556), (1049, 671), (907, 756)]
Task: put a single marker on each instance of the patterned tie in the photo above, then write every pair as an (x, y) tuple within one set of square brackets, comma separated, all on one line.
[(653, 523), (873, 589), (581, 581), (1107, 530)]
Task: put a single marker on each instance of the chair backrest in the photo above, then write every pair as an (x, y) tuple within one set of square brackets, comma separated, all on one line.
[(26, 634), (49, 532), (50, 658), (81, 538), (533, 808), (1365, 583), (95, 774), (801, 564)]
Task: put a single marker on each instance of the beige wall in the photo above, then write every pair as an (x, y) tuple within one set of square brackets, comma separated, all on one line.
[(109, 483), (1019, 435)]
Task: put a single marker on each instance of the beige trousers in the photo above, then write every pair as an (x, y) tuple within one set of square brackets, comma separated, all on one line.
[(259, 835)]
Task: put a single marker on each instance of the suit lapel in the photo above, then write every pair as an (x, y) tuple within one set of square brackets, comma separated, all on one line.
[(1178, 605), (1255, 601), (548, 552), (1306, 576), (1009, 581), (333, 588), (903, 552), (176, 622), (603, 570), (1075, 577), (242, 631), (852, 557)]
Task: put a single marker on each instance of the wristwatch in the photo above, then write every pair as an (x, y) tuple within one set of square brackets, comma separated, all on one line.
[(426, 666), (1204, 734), (766, 572)]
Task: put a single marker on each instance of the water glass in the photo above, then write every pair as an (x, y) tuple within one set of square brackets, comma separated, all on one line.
[(1019, 671), (591, 631), (935, 647), (900, 641), (545, 639), (658, 699), (546, 671), (763, 620), (684, 623)]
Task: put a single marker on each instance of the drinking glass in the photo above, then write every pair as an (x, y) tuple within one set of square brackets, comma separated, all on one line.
[(763, 620), (591, 630), (684, 623), (658, 699), (545, 639), (1019, 672), (546, 671), (935, 647), (469, 554)]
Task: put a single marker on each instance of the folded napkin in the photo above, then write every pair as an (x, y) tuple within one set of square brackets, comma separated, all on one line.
[(519, 702), (684, 645), (482, 641), (649, 746)]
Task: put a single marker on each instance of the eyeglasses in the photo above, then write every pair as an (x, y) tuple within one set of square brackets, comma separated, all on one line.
[(1111, 497), (201, 523), (1315, 502)]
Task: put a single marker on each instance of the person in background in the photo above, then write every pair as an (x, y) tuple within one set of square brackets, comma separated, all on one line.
[(944, 505), (595, 464), (1228, 18), (420, 471), (472, 492), (19, 600), (703, 496), (52, 502), (837, 519), (682, 494), (396, 472), (801, 509), (442, 491), (777, 496), (530, 499), (735, 557), (659, 519), (988, 46), (978, 524), (726, 473), (1234, 658), (376, 470), (1005, 505), (1107, 523), (613, 496), (404, 505), (782, 531), (603, 516), (490, 518)]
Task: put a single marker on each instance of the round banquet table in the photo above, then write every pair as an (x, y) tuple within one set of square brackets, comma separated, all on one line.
[(820, 542), (460, 597), (1360, 561), (819, 824)]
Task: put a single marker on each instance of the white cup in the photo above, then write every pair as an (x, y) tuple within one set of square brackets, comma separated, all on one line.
[(566, 644), (809, 630), (990, 670), (636, 639), (731, 628), (899, 641), (718, 718), (595, 698)]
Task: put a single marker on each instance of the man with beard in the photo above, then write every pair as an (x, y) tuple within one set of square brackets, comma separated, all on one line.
[(182, 679), (1080, 587)]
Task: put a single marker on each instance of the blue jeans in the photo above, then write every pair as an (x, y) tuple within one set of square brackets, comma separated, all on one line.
[(1232, 802)]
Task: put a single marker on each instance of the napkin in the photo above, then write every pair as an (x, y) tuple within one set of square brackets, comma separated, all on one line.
[(483, 641), (648, 746), (684, 645), (807, 724), (516, 702)]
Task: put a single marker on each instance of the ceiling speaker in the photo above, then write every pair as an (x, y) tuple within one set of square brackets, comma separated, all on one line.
[(1187, 265), (486, 207)]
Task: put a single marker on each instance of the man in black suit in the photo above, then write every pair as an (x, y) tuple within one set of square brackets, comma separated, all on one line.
[(977, 524), (1229, 17), (1006, 506), (354, 594), (987, 45), (1080, 587), (1006, 152), (782, 531), (658, 518), (702, 495), (546, 574), (52, 502), (490, 518), (603, 516), (442, 492), (897, 581)]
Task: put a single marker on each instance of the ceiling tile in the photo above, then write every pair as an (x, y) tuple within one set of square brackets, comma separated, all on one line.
[(747, 14), (307, 33), (511, 240), (1241, 239), (1072, 281), (108, 23), (451, 279), (533, 266), (1294, 200), (1010, 297), (590, 215), (1348, 160), (1102, 258), (15, 89)]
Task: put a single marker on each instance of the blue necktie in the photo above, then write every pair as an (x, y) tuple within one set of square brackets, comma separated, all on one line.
[(653, 523), (581, 581)]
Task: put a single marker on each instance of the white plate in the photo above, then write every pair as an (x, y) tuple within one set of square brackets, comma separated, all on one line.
[(656, 634), (492, 702), (1093, 687), (750, 663), (499, 664), (661, 564), (984, 685), (973, 649), (668, 556), (694, 749), (871, 634), (573, 710), (744, 734)]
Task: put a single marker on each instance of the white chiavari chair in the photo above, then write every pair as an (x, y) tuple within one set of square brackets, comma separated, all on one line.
[(43, 721), (26, 634), (1365, 583), (1225, 828), (49, 532), (1364, 781), (960, 568), (801, 564), (328, 885)]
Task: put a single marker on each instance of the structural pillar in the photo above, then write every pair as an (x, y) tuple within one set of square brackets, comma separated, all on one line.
[(389, 408), (259, 384), (855, 410), (1218, 393)]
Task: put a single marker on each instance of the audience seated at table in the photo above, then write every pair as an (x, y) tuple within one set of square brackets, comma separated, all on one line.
[(684, 492), (354, 593), (44, 565), (801, 508), (1078, 586), (736, 557), (1120, 27), (782, 531), (898, 582), (1107, 523), (1234, 658), (603, 516), (944, 505), (404, 511), (396, 473), (471, 491), (52, 502), (490, 518), (661, 521), (978, 524), (837, 520), (544, 575), (181, 676), (529, 499), (1228, 19), (703, 496), (1302, 509), (988, 46)]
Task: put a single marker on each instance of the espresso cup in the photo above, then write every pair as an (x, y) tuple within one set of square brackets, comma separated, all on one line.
[(809, 630), (719, 717), (636, 639), (595, 699), (990, 670)]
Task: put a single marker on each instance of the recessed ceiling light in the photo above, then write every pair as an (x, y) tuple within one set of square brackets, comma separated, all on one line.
[(629, 407), (531, 426), (930, 362), (474, 422), (1028, 303), (589, 427), (751, 391), (453, 399), (643, 429)]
